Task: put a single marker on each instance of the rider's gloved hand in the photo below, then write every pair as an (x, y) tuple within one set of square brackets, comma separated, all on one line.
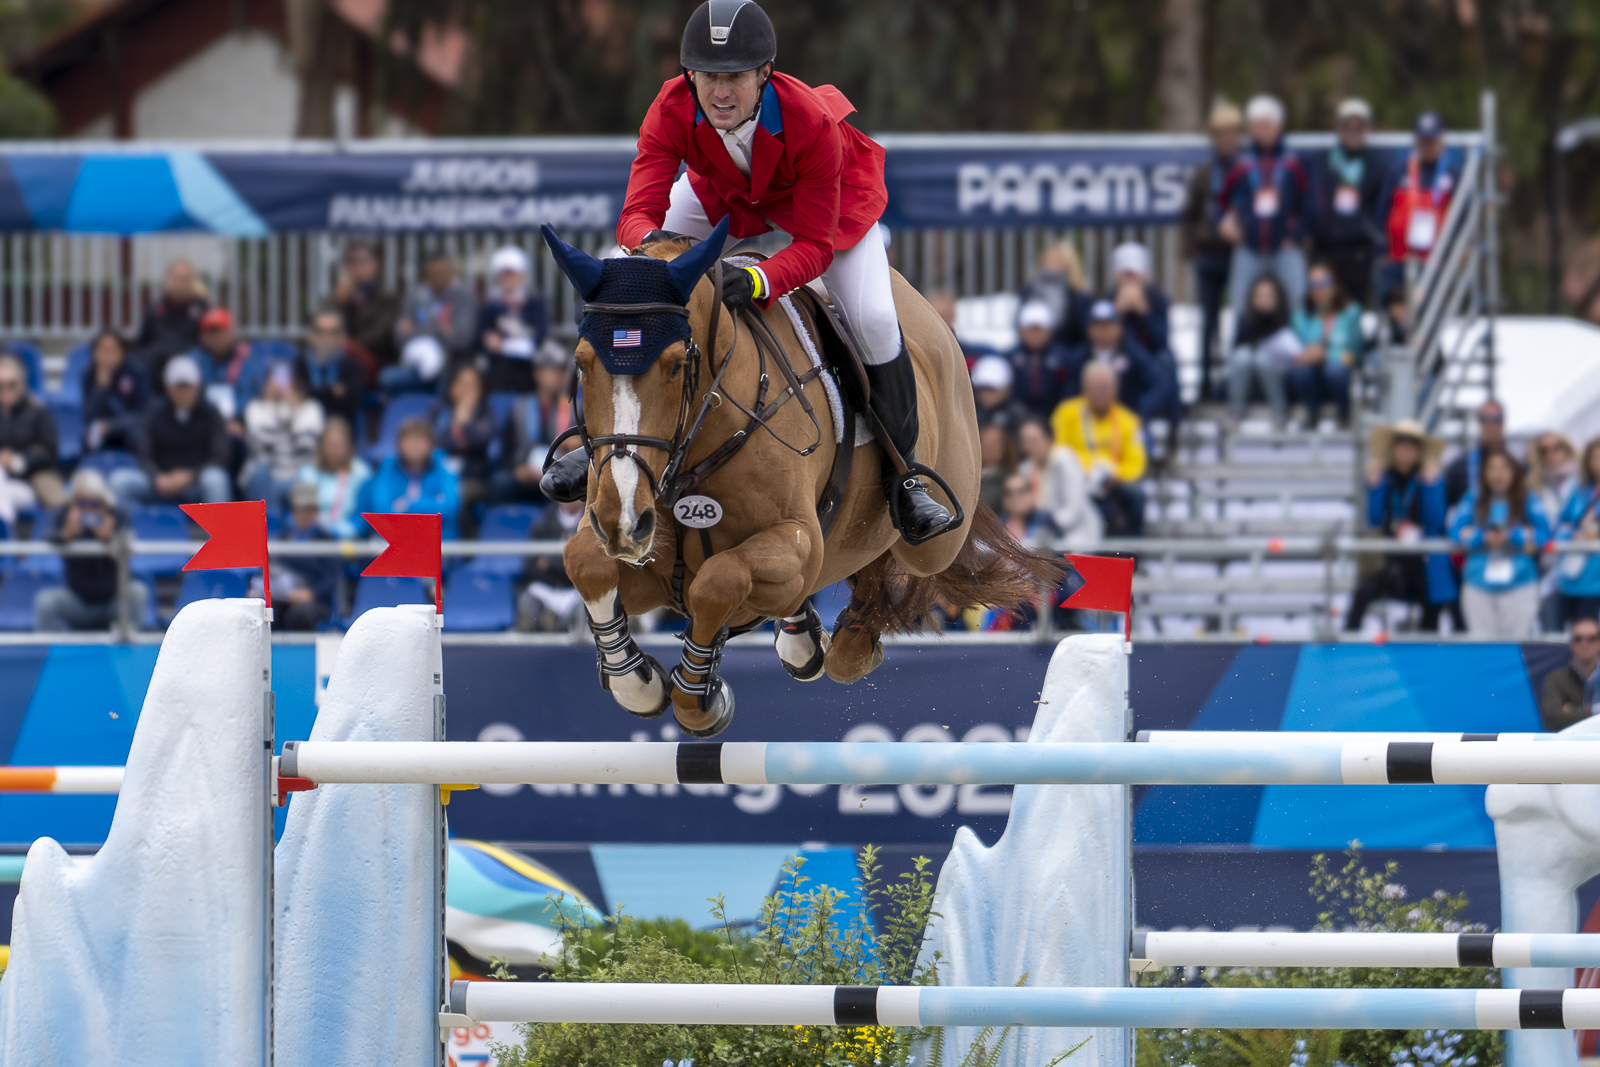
[(740, 287)]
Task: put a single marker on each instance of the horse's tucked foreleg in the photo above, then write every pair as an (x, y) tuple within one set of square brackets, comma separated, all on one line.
[(635, 679), (764, 575)]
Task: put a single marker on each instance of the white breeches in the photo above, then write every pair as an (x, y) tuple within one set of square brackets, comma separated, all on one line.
[(858, 279)]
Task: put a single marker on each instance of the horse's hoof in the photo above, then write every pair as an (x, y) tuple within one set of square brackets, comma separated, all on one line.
[(810, 631), (712, 721), (643, 692), (848, 661)]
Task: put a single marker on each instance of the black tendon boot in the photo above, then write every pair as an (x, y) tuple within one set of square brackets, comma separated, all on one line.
[(894, 400), (567, 479)]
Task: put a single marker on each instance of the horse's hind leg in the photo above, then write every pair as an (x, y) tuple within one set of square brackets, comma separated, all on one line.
[(857, 650), (802, 644), (633, 677)]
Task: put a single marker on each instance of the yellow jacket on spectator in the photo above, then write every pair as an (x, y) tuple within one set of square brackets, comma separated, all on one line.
[(1115, 440)]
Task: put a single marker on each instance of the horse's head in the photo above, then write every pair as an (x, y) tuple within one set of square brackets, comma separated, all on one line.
[(632, 374)]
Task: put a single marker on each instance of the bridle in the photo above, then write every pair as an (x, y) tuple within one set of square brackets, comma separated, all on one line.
[(675, 481)]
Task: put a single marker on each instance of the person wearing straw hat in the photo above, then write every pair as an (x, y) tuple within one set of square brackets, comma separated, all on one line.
[(1405, 501)]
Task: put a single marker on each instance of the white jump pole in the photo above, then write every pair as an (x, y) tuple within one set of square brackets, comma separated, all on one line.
[(1157, 949), (1331, 737), (890, 763), (797, 1005)]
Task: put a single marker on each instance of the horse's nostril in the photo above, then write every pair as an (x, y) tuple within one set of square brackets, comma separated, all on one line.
[(643, 527)]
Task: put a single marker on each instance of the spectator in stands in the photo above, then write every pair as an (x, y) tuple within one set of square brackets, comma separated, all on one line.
[(1419, 196), (1462, 473), (944, 302), (1264, 202), (368, 309), (303, 587), (220, 354), (1203, 245), (536, 420), (997, 452), (1348, 182), (550, 602), (333, 376), (1265, 347), (511, 324), (1392, 326), (282, 427), (1040, 366), (1553, 471), (183, 446), (1109, 442), (1405, 502), (438, 306), (88, 600), (338, 475), (171, 325), (416, 481), (1059, 486), (1578, 575), (1502, 526), (1329, 329), (1060, 283), (29, 458), (1140, 302), (1143, 382), (467, 433), (1020, 513), (1565, 697), (115, 392), (992, 379)]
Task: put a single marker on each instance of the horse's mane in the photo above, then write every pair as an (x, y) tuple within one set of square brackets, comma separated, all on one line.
[(665, 249)]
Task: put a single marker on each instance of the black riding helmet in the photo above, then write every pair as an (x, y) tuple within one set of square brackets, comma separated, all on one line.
[(728, 36)]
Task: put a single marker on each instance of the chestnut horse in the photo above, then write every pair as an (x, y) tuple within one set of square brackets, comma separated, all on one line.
[(767, 551)]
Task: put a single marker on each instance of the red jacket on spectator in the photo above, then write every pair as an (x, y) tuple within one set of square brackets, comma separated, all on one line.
[(811, 174)]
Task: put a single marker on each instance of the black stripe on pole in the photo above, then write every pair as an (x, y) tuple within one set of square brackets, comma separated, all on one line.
[(289, 761), (1480, 737), (1475, 950), (1411, 763), (458, 996), (700, 762), (1540, 1009), (856, 1005)]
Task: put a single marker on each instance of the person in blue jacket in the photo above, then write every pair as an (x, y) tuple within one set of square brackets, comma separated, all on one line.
[(1503, 527), (1405, 501), (1578, 574), (415, 480)]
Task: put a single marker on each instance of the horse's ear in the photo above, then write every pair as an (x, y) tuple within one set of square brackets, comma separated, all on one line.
[(581, 269), (688, 268)]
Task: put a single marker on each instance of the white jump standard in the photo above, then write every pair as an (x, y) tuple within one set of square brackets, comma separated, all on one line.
[(1330, 737), (795, 1005), (1157, 949), (959, 763)]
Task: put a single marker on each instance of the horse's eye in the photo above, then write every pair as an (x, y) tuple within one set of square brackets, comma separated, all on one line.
[(672, 371)]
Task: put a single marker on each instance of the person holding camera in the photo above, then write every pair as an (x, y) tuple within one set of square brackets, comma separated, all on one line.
[(1502, 526), (88, 601)]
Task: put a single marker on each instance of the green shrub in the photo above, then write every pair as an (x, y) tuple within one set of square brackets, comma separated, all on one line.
[(1351, 897)]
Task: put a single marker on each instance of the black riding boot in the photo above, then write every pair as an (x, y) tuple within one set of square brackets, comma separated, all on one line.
[(567, 480), (894, 401)]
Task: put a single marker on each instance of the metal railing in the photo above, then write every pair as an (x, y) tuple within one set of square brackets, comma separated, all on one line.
[(1335, 556)]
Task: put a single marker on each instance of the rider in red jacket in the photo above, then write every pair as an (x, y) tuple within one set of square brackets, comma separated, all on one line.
[(769, 152)]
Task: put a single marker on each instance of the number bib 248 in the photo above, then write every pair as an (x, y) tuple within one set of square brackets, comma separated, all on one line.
[(697, 511)]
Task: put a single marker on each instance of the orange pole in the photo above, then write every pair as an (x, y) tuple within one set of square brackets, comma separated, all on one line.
[(27, 779)]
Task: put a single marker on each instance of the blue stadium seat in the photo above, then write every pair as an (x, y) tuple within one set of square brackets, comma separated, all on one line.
[(501, 404), (71, 391), (504, 522), (211, 585), (31, 358), (16, 599), (830, 601), (387, 593), (159, 522), (69, 428), (47, 567), (107, 460), (402, 408), (274, 348), (478, 603)]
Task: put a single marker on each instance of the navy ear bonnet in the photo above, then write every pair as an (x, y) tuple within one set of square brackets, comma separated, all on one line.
[(630, 344)]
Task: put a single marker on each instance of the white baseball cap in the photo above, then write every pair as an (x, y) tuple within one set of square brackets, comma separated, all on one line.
[(991, 372), (1036, 313), (425, 355), (181, 370), (1268, 108), (1354, 108), (508, 257), (1131, 257)]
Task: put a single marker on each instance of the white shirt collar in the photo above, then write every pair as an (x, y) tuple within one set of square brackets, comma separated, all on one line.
[(738, 142)]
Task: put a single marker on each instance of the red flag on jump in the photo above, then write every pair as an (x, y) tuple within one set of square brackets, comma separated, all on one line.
[(413, 550), (1107, 586), (238, 538)]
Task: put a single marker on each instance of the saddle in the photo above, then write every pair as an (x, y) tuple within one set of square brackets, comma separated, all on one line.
[(841, 355)]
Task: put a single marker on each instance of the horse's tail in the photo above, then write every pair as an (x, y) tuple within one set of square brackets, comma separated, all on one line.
[(992, 570)]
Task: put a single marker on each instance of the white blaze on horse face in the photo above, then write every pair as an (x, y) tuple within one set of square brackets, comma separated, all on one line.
[(625, 420)]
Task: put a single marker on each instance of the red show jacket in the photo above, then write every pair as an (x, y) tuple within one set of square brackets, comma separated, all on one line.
[(812, 175)]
